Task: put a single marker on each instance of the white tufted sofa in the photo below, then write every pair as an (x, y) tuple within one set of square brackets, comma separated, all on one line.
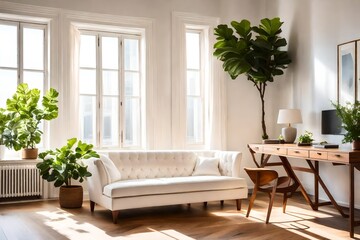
[(134, 179)]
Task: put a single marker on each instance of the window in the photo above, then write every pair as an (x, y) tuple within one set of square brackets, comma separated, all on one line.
[(23, 57), (194, 88), (109, 88), (198, 85)]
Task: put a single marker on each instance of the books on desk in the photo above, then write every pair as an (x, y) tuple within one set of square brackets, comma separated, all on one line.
[(326, 145), (273, 141)]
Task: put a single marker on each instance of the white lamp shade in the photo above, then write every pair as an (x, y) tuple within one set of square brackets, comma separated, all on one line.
[(288, 116)]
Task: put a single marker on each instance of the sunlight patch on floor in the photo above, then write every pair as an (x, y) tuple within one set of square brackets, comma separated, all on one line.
[(62, 222)]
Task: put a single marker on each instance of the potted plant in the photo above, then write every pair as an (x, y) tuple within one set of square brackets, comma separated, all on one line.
[(305, 139), (350, 117), (26, 114), (253, 51), (64, 164)]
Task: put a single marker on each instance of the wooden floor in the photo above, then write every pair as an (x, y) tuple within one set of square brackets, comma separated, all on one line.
[(45, 220)]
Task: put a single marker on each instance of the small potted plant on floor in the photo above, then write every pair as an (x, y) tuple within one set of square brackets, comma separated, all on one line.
[(64, 164), (305, 139), (350, 117), (26, 115)]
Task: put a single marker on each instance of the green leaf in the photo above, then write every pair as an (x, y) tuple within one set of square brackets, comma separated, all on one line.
[(243, 28)]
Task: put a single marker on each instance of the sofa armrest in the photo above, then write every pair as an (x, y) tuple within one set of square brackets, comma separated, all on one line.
[(98, 179), (230, 162)]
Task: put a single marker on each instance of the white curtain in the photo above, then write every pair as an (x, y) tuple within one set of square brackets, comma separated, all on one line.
[(73, 86), (217, 108)]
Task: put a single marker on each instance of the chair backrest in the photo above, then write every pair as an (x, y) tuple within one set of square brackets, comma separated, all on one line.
[(261, 176)]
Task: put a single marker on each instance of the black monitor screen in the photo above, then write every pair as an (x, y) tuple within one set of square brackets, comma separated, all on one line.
[(331, 123)]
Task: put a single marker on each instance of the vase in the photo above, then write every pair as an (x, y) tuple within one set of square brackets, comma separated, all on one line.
[(2, 152), (356, 145)]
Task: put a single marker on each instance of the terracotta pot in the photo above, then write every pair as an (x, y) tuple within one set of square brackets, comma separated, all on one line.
[(29, 153), (71, 196), (356, 145)]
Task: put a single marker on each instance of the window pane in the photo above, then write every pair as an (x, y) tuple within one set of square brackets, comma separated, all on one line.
[(8, 83), (33, 48), (8, 46), (194, 120), (131, 58), (193, 50), (88, 51), (87, 84), (34, 80), (110, 128), (193, 83), (132, 122), (88, 119), (110, 83), (110, 49), (132, 84)]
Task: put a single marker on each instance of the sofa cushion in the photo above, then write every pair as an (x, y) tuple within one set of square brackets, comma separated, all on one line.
[(111, 170), (207, 166), (155, 186)]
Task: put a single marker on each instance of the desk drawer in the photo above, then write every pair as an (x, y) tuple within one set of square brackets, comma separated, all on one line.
[(298, 153), (275, 150), (319, 155), (340, 157)]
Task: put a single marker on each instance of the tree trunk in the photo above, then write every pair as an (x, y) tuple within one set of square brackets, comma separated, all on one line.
[(262, 97)]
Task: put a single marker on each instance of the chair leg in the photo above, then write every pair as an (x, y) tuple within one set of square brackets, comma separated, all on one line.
[(284, 202), (251, 202), (205, 204), (271, 203), (222, 202)]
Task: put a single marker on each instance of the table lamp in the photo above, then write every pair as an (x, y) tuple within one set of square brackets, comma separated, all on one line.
[(289, 116)]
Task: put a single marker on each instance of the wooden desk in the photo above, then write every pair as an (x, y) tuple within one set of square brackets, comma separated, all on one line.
[(312, 156)]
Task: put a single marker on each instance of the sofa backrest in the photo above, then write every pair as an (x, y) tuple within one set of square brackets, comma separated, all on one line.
[(153, 164)]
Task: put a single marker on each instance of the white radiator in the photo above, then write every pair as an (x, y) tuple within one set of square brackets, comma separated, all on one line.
[(20, 180)]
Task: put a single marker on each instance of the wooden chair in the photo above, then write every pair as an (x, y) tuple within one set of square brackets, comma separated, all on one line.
[(267, 180)]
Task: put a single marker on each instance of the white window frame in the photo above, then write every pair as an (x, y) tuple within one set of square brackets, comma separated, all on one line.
[(21, 24), (122, 98), (202, 72), (180, 23)]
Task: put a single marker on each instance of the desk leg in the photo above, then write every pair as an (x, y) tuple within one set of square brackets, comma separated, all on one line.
[(292, 174), (351, 201), (316, 182)]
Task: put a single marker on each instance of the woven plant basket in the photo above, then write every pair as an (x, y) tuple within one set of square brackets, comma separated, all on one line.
[(71, 196)]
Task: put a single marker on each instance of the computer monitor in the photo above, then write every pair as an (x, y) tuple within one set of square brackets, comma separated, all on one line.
[(331, 123)]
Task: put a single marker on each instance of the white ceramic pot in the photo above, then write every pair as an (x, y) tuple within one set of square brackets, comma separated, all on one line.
[(2, 152)]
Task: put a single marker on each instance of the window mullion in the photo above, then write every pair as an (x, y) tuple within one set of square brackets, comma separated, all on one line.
[(121, 77), (20, 53), (99, 111)]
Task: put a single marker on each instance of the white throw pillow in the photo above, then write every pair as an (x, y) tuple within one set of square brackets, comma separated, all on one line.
[(110, 168), (207, 166)]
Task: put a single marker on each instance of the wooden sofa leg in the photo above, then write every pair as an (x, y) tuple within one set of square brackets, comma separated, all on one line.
[(115, 215), (205, 204), (222, 202), (238, 204), (92, 206)]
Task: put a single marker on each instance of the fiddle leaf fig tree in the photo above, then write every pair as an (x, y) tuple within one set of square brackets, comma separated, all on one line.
[(254, 51), (4, 127), (26, 115)]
